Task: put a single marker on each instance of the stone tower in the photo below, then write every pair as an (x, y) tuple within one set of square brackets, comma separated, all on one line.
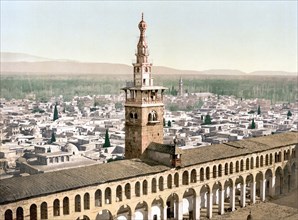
[(180, 92), (144, 108)]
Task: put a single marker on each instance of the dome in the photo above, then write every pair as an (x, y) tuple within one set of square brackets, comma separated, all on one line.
[(71, 148), (142, 24)]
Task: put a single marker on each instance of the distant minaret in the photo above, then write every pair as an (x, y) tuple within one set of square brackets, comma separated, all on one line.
[(144, 108), (180, 92)]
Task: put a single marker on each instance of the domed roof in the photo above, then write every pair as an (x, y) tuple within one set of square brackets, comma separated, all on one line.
[(142, 24), (70, 148)]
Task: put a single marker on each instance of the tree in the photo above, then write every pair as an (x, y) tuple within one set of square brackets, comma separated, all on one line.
[(259, 110), (55, 117), (289, 114), (207, 120), (169, 123), (253, 125), (53, 138), (107, 140)]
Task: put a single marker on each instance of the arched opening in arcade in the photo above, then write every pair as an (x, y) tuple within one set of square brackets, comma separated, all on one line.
[(189, 204), (141, 211), (172, 205), (278, 181), (84, 217), (286, 179), (251, 189), (260, 187), (104, 215), (206, 202), (293, 180), (33, 212), (268, 183), (157, 209), (8, 215), (218, 199), (229, 196), (124, 213), (240, 193)]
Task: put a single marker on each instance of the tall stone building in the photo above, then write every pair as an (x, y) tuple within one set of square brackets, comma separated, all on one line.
[(144, 108), (180, 92)]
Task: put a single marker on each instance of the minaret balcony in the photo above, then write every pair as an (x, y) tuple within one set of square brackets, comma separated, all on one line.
[(143, 101)]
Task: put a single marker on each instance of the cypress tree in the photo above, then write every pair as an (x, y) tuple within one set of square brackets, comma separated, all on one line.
[(253, 125), (289, 114), (207, 120), (55, 117), (169, 123), (107, 140), (259, 110)]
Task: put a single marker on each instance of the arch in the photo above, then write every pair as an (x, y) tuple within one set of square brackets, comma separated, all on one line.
[(257, 162), (241, 165), (108, 195), (138, 189), (251, 163), (20, 213), (56, 207), (268, 176), (207, 173), (204, 192), (278, 181), (189, 204), (237, 166), (86, 201), (202, 174), (119, 193), (262, 161), (8, 215), (141, 210), (271, 159), (104, 215), (266, 160), (160, 183), (247, 164), (98, 198), (156, 209), (85, 217), (231, 168), (124, 213), (33, 212), (44, 210), (77, 203), (214, 172), (127, 191), (286, 178), (226, 168), (171, 203), (185, 178), (293, 180), (219, 170), (169, 181), (66, 206), (193, 176), (145, 187), (176, 179), (153, 186)]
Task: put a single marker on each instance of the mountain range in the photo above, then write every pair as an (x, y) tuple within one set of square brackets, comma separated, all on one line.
[(25, 63)]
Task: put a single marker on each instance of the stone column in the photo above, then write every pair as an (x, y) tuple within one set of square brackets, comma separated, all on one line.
[(262, 189), (209, 205), (164, 217), (272, 186), (253, 193), (197, 206), (149, 212), (243, 195), (221, 204), (232, 198)]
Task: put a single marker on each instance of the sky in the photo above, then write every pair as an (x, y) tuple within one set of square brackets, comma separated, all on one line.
[(188, 35)]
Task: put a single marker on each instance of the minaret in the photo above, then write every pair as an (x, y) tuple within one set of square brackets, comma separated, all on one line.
[(180, 92), (144, 108)]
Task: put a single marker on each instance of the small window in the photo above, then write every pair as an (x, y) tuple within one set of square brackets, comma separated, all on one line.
[(136, 116)]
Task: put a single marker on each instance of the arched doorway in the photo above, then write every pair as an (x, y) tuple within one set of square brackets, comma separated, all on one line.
[(124, 213), (157, 208), (278, 181), (189, 204), (141, 211), (251, 188), (104, 215)]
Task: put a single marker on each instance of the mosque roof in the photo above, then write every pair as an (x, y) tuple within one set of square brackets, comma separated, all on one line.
[(18, 188)]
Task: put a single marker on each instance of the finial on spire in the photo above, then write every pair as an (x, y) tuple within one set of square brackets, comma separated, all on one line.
[(142, 16)]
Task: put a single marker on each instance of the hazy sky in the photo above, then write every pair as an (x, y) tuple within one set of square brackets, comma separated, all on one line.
[(196, 35)]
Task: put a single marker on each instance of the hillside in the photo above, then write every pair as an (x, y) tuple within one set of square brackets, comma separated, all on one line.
[(18, 63)]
